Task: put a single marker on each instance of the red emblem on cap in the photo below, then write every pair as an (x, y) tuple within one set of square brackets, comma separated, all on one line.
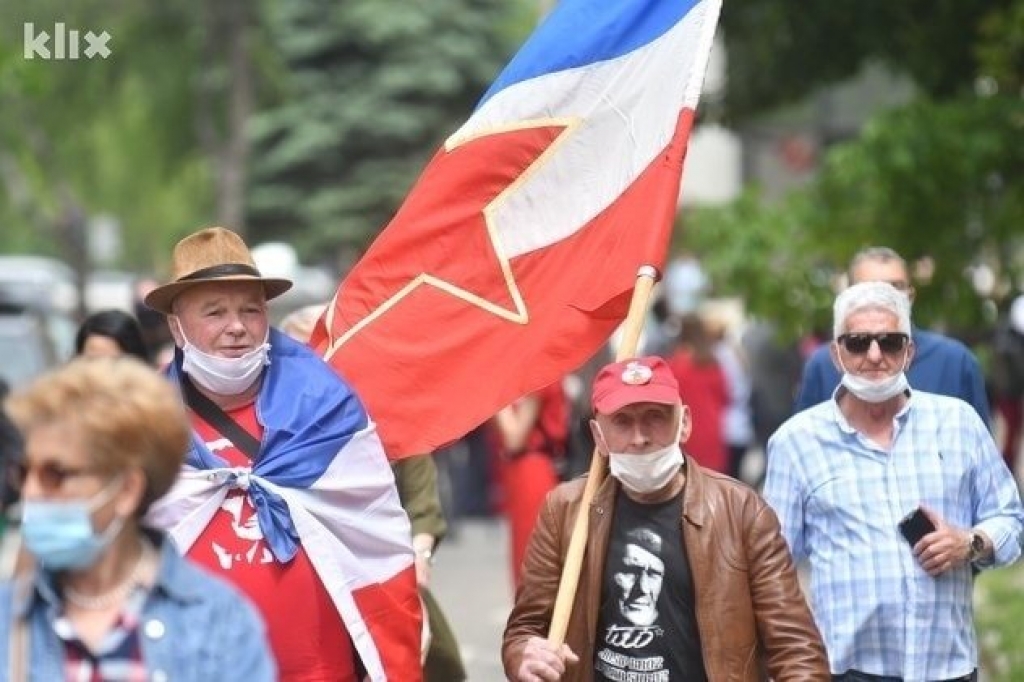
[(636, 374)]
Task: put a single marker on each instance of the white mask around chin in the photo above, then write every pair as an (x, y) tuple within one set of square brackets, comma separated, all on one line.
[(224, 376), (650, 471), (875, 390)]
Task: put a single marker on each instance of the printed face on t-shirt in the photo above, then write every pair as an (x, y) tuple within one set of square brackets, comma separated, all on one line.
[(639, 582)]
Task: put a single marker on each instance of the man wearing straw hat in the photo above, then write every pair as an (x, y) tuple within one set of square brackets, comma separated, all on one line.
[(685, 576), (286, 489)]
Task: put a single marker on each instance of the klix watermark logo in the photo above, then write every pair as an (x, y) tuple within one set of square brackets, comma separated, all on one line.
[(64, 43)]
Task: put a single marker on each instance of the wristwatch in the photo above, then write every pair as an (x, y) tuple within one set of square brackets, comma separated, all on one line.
[(976, 546)]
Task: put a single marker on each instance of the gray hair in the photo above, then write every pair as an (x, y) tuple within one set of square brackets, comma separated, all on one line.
[(870, 295)]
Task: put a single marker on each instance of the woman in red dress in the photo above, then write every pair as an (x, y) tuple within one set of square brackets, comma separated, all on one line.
[(703, 387), (532, 433)]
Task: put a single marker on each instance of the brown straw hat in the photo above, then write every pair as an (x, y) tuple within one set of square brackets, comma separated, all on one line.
[(211, 255)]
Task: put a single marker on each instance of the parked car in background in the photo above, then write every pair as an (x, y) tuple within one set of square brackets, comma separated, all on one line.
[(38, 282), (26, 347), (38, 299)]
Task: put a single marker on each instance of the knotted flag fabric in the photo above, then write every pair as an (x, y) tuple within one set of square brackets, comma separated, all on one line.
[(512, 258), (321, 481)]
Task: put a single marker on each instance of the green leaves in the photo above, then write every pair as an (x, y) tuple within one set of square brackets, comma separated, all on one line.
[(369, 90), (942, 183), (112, 136), (780, 53)]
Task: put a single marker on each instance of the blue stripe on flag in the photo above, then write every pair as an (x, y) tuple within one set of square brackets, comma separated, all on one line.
[(613, 28)]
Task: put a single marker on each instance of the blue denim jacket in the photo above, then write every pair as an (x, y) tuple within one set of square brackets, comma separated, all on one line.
[(194, 627)]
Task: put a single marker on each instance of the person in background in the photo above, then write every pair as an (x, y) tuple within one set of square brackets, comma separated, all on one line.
[(152, 324), (111, 334), (416, 479), (775, 368), (299, 323), (1007, 378), (287, 490), (108, 598), (940, 364), (532, 434), (737, 423), (896, 496), (685, 574), (703, 388), (11, 446)]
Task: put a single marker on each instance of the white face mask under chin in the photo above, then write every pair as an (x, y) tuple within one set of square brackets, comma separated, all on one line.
[(875, 391), (650, 471), (224, 376)]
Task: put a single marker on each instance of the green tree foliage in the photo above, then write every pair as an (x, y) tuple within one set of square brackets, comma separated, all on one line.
[(938, 181), (1001, 50), (369, 88), (763, 253), (90, 136), (780, 51)]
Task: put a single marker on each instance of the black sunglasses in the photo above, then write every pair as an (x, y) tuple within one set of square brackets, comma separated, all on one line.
[(888, 342)]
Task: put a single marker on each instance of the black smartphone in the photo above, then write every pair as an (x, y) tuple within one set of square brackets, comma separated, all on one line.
[(915, 526)]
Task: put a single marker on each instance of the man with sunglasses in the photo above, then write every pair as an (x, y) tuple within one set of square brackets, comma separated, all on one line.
[(939, 364), (842, 476)]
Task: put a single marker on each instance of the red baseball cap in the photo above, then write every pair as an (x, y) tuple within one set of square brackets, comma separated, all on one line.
[(640, 380)]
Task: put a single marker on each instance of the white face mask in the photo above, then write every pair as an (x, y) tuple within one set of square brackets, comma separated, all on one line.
[(648, 472), (875, 390), (224, 376)]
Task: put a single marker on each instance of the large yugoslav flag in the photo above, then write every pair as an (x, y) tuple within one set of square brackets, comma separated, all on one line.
[(512, 259)]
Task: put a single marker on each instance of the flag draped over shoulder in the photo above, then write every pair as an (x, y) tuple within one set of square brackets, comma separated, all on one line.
[(512, 259), (321, 482)]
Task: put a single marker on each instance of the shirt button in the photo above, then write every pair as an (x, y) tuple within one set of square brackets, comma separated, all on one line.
[(154, 629)]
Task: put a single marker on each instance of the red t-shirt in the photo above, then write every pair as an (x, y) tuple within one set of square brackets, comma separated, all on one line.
[(307, 635)]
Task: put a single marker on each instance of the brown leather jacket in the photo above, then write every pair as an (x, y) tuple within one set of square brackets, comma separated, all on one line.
[(752, 616)]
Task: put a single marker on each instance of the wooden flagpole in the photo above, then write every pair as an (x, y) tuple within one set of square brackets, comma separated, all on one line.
[(570, 579)]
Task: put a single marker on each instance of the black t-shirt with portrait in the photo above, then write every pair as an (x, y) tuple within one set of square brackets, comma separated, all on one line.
[(647, 628)]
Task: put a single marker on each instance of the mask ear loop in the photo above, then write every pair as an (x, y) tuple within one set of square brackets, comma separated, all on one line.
[(679, 423), (181, 330), (106, 494), (906, 356)]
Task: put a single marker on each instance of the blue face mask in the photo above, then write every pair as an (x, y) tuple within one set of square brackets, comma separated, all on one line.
[(59, 534)]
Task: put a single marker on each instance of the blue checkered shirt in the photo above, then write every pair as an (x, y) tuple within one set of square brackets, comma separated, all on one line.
[(839, 497)]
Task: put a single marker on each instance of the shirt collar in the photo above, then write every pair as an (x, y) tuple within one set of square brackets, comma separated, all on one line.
[(844, 424)]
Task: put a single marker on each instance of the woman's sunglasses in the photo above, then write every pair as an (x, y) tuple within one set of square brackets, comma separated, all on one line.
[(51, 475), (889, 343)]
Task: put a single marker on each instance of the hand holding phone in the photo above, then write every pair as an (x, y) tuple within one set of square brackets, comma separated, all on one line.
[(915, 526)]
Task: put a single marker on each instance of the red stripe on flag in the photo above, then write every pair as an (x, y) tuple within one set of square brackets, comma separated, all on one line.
[(393, 616)]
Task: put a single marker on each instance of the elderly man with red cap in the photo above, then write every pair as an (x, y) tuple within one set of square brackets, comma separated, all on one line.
[(286, 489), (685, 576)]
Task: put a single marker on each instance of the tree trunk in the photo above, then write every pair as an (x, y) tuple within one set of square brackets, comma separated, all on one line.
[(226, 85)]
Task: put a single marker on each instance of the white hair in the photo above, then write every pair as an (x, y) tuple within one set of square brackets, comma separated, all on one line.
[(870, 295)]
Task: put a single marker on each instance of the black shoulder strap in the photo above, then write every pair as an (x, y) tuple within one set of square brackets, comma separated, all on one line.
[(216, 417)]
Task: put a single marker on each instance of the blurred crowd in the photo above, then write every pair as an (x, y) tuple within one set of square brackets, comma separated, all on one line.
[(93, 493)]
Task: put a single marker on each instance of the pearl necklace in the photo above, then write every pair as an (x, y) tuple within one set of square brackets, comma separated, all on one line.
[(101, 602)]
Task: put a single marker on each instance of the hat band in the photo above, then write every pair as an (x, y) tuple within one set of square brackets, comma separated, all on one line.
[(225, 270)]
